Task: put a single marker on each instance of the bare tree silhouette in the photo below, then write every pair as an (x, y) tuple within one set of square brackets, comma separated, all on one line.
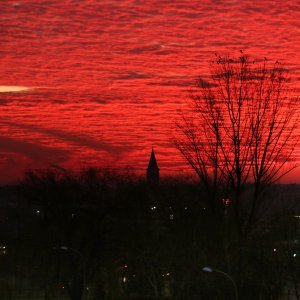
[(239, 135), (241, 128)]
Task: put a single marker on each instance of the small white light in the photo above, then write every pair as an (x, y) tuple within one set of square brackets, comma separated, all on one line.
[(295, 254), (37, 211), (207, 269)]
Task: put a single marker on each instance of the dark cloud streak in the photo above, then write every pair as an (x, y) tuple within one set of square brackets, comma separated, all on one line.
[(79, 139)]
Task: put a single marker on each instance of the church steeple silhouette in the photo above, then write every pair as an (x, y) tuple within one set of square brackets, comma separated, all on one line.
[(153, 171)]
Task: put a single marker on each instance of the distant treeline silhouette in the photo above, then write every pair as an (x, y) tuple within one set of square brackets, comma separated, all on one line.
[(109, 235)]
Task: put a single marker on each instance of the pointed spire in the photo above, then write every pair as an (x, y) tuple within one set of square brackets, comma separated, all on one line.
[(152, 162), (153, 171)]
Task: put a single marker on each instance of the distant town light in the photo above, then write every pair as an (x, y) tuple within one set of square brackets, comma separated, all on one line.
[(295, 254), (226, 201), (274, 250), (2, 250)]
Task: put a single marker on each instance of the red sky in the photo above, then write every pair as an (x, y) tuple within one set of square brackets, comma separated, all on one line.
[(99, 82)]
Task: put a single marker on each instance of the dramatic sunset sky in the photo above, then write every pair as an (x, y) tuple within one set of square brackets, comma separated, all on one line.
[(98, 82)]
